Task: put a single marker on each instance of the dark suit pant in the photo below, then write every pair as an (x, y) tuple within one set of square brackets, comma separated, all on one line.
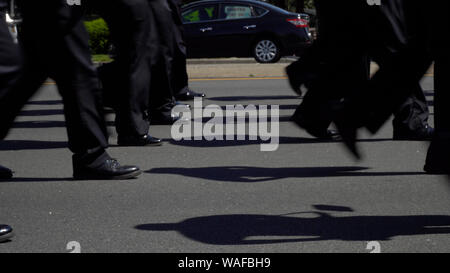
[(10, 63), (439, 151), (127, 79), (161, 57), (55, 44), (179, 72), (378, 32)]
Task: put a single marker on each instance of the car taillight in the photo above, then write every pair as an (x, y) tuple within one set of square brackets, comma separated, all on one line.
[(297, 22)]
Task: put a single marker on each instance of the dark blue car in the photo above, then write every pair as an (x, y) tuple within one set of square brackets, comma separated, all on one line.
[(243, 28)]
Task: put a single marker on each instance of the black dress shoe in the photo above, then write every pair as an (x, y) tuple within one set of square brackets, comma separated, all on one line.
[(316, 131), (145, 140), (347, 130), (103, 168), (189, 95), (166, 120), (423, 134), (6, 233), (180, 104), (5, 173)]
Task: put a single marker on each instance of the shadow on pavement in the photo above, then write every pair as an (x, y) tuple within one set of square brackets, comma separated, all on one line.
[(257, 174), (39, 124), (13, 145), (37, 179), (247, 98), (45, 102), (47, 112), (247, 229), (282, 140)]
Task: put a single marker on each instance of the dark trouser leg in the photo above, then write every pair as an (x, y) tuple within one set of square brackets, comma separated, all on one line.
[(128, 77), (438, 157), (10, 69), (56, 45), (179, 71), (413, 114), (161, 89), (19, 81), (341, 71)]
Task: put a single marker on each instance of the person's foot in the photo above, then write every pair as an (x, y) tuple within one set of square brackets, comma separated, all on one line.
[(145, 140), (166, 119), (316, 131), (5, 173), (6, 233), (423, 134), (180, 104), (347, 130), (189, 95), (101, 168), (294, 80)]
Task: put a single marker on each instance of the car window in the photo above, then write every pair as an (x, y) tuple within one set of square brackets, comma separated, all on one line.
[(199, 14), (233, 11), (259, 11)]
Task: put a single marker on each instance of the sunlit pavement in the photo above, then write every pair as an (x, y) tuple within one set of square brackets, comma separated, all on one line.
[(223, 196)]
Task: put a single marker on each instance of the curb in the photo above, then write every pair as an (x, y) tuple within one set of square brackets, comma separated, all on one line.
[(289, 59)]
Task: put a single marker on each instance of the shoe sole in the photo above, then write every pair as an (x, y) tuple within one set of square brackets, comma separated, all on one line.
[(101, 177)]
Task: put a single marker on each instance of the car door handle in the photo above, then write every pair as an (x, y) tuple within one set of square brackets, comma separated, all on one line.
[(249, 27), (206, 29)]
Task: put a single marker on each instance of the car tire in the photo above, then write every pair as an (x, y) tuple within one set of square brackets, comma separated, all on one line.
[(266, 51)]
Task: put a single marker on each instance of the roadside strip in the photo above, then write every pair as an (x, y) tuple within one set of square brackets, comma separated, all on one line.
[(232, 79)]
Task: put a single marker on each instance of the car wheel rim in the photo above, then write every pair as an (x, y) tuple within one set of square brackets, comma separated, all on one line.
[(266, 50)]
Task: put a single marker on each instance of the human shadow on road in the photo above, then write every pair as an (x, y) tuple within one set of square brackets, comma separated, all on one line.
[(45, 102), (251, 98), (14, 145), (249, 229), (37, 179), (39, 124), (282, 140), (44, 112), (257, 174)]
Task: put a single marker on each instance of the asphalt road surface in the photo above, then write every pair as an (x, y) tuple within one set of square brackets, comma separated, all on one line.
[(223, 196)]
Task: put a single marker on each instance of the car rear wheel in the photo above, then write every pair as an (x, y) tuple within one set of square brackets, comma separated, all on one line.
[(266, 51)]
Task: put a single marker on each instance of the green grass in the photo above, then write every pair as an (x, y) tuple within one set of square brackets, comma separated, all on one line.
[(101, 58)]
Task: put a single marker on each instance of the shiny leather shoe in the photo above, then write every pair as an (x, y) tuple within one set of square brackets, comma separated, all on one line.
[(145, 140), (189, 95), (103, 169), (5, 173), (423, 134), (166, 120), (180, 104), (348, 130), (6, 233), (315, 131)]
